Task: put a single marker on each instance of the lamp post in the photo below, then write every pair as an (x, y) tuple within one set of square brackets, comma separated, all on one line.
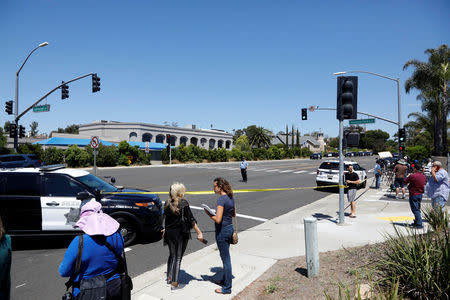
[(398, 94), (16, 110)]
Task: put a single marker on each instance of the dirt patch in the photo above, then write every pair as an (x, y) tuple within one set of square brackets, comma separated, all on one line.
[(287, 279)]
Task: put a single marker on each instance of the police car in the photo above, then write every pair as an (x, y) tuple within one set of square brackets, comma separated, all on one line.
[(328, 173), (47, 200)]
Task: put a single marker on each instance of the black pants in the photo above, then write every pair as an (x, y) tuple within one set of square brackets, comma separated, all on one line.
[(176, 250), (244, 174)]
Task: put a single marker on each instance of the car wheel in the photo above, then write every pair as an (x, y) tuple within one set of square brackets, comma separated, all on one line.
[(128, 229), (364, 184)]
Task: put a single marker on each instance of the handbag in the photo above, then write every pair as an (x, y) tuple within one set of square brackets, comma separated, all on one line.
[(185, 225), (126, 284)]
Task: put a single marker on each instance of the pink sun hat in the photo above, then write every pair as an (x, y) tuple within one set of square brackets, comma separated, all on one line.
[(94, 222)]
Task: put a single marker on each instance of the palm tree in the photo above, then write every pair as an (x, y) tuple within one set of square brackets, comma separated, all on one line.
[(432, 78), (258, 136)]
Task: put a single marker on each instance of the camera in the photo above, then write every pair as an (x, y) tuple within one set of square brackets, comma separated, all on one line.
[(67, 296)]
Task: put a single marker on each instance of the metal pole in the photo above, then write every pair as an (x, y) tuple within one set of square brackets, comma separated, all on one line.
[(341, 174), (399, 113), (170, 154), (95, 162), (311, 246), (16, 111)]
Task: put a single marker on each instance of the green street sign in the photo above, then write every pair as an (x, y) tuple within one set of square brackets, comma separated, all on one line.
[(362, 121), (41, 108)]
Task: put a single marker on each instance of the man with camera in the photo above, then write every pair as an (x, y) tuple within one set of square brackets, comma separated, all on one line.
[(437, 187)]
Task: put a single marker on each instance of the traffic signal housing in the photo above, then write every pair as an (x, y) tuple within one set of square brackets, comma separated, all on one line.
[(401, 135), (347, 97), (64, 91), (9, 107), (21, 131), (12, 130), (304, 114), (168, 139), (95, 83), (401, 148)]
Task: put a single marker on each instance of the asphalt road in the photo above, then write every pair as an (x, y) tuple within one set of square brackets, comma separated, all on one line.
[(35, 261)]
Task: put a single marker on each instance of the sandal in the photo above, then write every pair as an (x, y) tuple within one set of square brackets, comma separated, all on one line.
[(352, 216), (219, 291)]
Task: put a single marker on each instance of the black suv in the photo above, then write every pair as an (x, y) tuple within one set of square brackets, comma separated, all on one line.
[(46, 201), (19, 160)]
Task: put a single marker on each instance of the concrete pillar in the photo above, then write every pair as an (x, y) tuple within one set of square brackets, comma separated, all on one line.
[(311, 246)]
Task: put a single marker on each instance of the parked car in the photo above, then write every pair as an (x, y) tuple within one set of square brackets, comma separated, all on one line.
[(46, 201), (315, 156), (19, 160), (328, 173)]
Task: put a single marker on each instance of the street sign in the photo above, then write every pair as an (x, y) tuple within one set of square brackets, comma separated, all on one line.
[(94, 142), (362, 121), (41, 108)]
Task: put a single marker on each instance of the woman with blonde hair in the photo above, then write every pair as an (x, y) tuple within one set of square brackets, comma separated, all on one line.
[(5, 263), (178, 222)]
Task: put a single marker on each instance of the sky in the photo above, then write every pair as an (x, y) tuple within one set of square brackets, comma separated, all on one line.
[(221, 64)]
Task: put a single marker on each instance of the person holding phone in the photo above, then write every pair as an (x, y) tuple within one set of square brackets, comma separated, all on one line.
[(437, 187)]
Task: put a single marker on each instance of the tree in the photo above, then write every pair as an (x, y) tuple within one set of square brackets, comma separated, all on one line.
[(297, 144), (237, 134), (258, 136), (2, 139), (375, 140), (72, 129), (34, 130), (287, 138), (242, 143), (6, 126), (334, 142), (292, 141), (432, 79)]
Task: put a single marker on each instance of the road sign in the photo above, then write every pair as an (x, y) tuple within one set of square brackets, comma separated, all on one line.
[(94, 142), (147, 149), (312, 108), (41, 108), (362, 121)]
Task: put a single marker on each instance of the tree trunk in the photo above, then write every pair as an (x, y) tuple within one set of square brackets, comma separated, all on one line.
[(444, 119), (438, 136)]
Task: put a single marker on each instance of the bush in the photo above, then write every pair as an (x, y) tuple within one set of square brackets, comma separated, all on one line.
[(107, 156), (30, 149), (420, 262), (274, 152), (305, 152), (219, 154), (260, 153), (184, 153), (419, 152), (76, 157), (53, 156), (123, 160)]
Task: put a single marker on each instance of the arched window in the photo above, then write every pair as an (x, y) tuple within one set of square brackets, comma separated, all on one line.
[(212, 143), (203, 142), (147, 137), (183, 140), (160, 138), (220, 144), (227, 144), (173, 139), (132, 136), (194, 141)]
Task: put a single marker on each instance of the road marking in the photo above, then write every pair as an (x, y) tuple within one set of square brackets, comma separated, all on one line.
[(127, 249), (396, 218), (239, 215), (312, 173), (286, 171), (20, 285), (298, 172), (272, 170)]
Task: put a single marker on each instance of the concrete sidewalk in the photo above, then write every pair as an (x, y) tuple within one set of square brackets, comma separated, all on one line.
[(261, 246)]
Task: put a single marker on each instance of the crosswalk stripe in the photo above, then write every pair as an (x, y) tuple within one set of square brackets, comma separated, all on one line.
[(298, 172), (312, 173), (272, 170), (286, 171)]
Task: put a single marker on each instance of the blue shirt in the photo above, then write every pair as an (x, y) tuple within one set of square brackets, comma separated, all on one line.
[(440, 188), (377, 169), (228, 209), (5, 267), (96, 260), (244, 164)]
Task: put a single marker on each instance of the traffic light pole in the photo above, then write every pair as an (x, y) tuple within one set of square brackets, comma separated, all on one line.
[(18, 116), (341, 174)]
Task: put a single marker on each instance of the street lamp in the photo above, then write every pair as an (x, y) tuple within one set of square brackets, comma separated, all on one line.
[(398, 93), (16, 110)]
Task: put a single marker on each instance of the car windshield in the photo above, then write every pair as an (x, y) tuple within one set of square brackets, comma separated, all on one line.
[(335, 166), (96, 183)]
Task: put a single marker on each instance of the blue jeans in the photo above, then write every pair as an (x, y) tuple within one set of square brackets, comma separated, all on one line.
[(414, 203), (439, 201), (223, 239), (377, 181)]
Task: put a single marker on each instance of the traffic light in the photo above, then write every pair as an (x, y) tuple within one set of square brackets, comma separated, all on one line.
[(9, 107), (21, 131), (304, 114), (168, 138), (95, 83), (347, 97), (401, 135), (64, 91), (401, 148), (12, 130)]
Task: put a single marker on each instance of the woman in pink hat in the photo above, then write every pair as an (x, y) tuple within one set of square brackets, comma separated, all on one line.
[(96, 259)]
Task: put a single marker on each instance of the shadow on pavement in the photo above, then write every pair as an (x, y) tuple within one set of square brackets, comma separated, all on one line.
[(37, 243)]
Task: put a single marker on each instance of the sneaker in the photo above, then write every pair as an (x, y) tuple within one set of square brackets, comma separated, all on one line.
[(178, 287), (415, 226)]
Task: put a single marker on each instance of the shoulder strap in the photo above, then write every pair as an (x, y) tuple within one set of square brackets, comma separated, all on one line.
[(120, 259), (69, 282)]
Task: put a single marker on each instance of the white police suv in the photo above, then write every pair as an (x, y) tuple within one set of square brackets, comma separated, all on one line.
[(328, 173), (47, 200)]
